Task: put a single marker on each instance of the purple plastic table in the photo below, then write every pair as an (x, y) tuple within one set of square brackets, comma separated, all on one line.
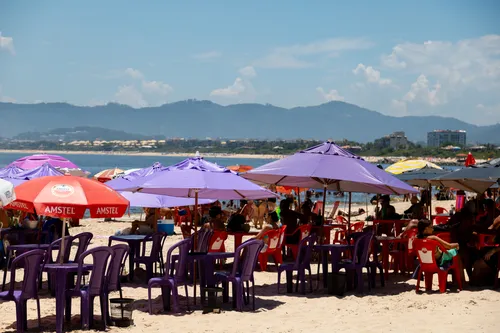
[(20, 247), (61, 272), (336, 251), (134, 243)]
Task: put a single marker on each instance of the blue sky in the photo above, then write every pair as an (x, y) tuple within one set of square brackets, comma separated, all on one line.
[(396, 57)]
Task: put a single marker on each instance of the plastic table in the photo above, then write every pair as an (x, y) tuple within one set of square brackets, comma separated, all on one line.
[(336, 251), (134, 243), (61, 272)]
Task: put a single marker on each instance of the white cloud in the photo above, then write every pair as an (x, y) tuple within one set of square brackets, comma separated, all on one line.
[(129, 95), (210, 55), (420, 90), (290, 56), (237, 88), (372, 75), (134, 73), (248, 71), (7, 43), (332, 95), (469, 62), (156, 88)]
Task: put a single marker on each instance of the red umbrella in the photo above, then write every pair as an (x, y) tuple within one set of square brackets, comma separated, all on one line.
[(68, 197), (470, 160), (240, 168)]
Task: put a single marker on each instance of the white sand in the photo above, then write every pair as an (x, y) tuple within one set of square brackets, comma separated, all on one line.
[(395, 308)]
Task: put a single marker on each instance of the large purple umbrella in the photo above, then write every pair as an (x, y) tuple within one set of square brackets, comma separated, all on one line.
[(42, 171), (146, 199), (34, 161), (10, 171), (327, 166), (197, 178)]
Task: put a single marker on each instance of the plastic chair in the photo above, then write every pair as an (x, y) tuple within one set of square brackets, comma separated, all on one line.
[(273, 240), (155, 255), (49, 259), (359, 259), (278, 255), (357, 226), (83, 239), (32, 262), (304, 230), (301, 264), (178, 276), (425, 249), (440, 220), (95, 287), (440, 210), (245, 259), (115, 272), (217, 242), (318, 208)]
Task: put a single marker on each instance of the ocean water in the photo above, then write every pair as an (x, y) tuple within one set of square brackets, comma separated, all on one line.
[(96, 163)]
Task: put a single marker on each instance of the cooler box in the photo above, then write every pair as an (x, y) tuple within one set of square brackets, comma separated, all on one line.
[(166, 226)]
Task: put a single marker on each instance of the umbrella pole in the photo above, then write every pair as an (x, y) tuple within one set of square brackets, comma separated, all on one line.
[(324, 202), (298, 197), (349, 212), (61, 252), (430, 202), (195, 237)]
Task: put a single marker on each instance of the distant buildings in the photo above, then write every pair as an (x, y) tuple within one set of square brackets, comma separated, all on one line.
[(438, 138), (395, 140)]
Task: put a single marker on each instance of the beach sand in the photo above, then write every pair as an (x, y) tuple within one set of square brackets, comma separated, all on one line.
[(394, 308)]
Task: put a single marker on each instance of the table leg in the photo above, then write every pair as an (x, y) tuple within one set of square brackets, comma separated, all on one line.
[(238, 239), (324, 262), (131, 257), (289, 281), (6, 269), (385, 259), (60, 300)]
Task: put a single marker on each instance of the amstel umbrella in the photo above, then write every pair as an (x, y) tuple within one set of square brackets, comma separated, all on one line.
[(68, 197)]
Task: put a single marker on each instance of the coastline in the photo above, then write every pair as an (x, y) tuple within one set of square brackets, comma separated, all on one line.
[(371, 159)]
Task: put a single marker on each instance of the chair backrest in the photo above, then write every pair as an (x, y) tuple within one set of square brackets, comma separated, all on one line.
[(83, 239), (305, 230), (282, 235), (100, 260), (425, 249), (340, 219), (273, 240), (245, 259), (440, 210), (32, 262), (362, 249), (318, 208), (56, 246), (411, 234), (358, 226), (180, 271), (217, 241), (157, 240), (441, 220), (305, 250), (115, 269), (204, 237)]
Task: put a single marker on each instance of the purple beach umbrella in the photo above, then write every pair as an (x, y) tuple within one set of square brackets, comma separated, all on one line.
[(37, 160), (10, 171), (42, 171)]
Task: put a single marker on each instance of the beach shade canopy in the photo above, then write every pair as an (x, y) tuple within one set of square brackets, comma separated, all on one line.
[(289, 190), (409, 165), (122, 181), (42, 171), (196, 177), (137, 199), (420, 177), (10, 171), (7, 194), (477, 178), (108, 174), (68, 197), (331, 167), (35, 161), (470, 160), (240, 168)]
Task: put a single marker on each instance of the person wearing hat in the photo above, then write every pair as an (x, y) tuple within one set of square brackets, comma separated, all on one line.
[(215, 222), (416, 210)]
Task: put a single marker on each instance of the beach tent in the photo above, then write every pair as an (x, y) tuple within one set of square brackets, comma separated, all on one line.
[(409, 165)]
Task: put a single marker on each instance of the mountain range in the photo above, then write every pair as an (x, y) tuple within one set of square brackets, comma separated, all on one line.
[(199, 119)]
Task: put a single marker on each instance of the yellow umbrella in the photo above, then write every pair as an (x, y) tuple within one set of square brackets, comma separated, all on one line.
[(410, 164), (108, 174)]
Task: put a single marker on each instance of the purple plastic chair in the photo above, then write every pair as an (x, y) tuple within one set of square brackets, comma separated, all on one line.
[(155, 255), (32, 262), (115, 271), (359, 259), (56, 246), (169, 282), (95, 287), (245, 260), (371, 265), (301, 264), (83, 239)]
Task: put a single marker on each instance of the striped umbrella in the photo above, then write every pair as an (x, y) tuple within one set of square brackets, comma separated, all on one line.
[(107, 174), (409, 165)]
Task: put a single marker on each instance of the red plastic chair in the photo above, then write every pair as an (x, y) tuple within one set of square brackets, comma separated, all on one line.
[(340, 219), (440, 210), (278, 256), (273, 240), (425, 249), (217, 242), (318, 208), (357, 226), (305, 230), (440, 220)]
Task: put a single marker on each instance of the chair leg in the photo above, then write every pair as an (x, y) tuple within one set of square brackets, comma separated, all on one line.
[(279, 280), (253, 294), (419, 278), (359, 273), (38, 313), (428, 281), (246, 296), (150, 301), (310, 280), (25, 314), (187, 296), (104, 310), (442, 278), (5, 271), (84, 311), (20, 317), (68, 309)]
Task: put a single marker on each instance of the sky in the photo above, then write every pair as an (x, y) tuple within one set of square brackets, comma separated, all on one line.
[(400, 58)]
